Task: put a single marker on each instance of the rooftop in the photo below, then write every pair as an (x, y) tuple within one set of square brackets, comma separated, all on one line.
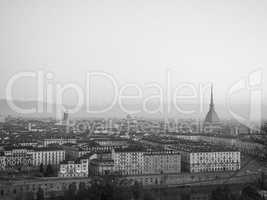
[(131, 148), (159, 140), (99, 160), (198, 146), (77, 161), (165, 152), (52, 148)]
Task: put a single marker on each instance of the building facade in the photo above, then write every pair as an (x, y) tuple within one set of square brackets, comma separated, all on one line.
[(2, 162), (112, 142), (160, 162), (45, 156), (201, 162), (77, 168), (59, 141), (139, 161), (251, 148), (101, 167), (18, 158), (128, 161)]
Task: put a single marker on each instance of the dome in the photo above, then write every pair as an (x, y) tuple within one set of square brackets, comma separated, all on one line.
[(212, 117)]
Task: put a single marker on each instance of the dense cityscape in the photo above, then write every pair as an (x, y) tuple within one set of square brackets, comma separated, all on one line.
[(133, 100), (49, 159)]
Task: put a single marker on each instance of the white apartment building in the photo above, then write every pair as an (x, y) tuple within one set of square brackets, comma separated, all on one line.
[(52, 156), (212, 161), (199, 157), (128, 161), (18, 157), (77, 168), (137, 162), (160, 162)]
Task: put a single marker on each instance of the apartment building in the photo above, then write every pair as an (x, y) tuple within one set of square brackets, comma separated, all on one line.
[(246, 147), (160, 162), (197, 157), (59, 141), (51, 155), (2, 161), (78, 168), (17, 157), (128, 161), (101, 166)]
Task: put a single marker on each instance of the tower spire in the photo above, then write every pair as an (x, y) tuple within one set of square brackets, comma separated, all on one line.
[(211, 97), (211, 116)]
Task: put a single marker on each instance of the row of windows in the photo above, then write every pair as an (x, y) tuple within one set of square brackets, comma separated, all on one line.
[(214, 169), (43, 153)]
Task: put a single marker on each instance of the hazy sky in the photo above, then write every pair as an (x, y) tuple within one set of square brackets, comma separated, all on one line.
[(135, 41)]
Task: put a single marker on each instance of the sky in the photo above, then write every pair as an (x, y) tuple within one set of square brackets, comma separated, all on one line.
[(136, 42)]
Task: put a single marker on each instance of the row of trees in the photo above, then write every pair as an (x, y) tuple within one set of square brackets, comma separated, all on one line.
[(48, 171), (224, 193), (113, 191), (104, 189), (107, 191), (113, 188)]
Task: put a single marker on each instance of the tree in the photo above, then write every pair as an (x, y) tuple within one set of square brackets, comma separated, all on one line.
[(41, 168), (250, 193), (94, 192), (137, 191), (222, 193), (107, 191), (261, 181), (122, 193), (29, 196), (49, 170), (70, 194), (40, 194), (82, 192), (148, 196)]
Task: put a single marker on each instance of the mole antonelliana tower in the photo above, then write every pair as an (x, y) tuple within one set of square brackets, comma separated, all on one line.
[(211, 117)]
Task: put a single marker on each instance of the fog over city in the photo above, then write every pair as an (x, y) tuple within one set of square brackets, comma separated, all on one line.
[(168, 43), (133, 100)]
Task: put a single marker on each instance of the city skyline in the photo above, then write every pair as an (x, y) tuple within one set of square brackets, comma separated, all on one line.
[(137, 42), (140, 100)]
